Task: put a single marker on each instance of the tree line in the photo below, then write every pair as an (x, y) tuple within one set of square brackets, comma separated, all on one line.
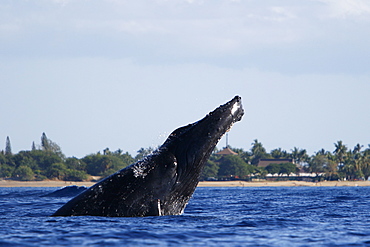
[(342, 163), (47, 161)]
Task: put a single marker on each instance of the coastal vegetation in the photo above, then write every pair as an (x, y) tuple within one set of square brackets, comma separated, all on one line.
[(47, 161)]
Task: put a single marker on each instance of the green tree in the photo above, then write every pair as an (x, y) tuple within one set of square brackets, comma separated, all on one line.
[(75, 164), (33, 147), (258, 152), (350, 162), (103, 165), (126, 158), (24, 158), (317, 164), (8, 147), (75, 175), (56, 171), (245, 155), (234, 166), (273, 168), (279, 153), (107, 151), (93, 166), (299, 156), (340, 152), (357, 148), (45, 142), (113, 164), (322, 152), (50, 146), (143, 152), (366, 163), (260, 172), (45, 159), (287, 168), (23, 173), (347, 170), (5, 169), (331, 170), (210, 170), (357, 158)]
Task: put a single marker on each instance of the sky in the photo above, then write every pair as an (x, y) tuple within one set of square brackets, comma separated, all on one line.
[(125, 74)]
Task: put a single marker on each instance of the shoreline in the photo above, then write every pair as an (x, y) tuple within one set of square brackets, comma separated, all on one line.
[(47, 183)]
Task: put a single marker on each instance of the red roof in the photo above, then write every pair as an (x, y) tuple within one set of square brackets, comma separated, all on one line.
[(226, 151)]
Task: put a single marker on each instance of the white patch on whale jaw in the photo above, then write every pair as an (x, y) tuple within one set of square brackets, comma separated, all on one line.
[(236, 107)]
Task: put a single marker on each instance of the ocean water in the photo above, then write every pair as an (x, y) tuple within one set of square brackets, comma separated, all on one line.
[(265, 216)]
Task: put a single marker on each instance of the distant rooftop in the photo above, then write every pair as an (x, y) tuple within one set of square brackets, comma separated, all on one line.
[(266, 162), (226, 151)]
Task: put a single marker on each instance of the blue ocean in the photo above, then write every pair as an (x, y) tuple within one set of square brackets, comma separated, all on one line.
[(232, 216)]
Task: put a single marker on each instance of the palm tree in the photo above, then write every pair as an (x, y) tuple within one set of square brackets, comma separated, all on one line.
[(331, 169), (257, 148), (257, 152), (351, 161), (322, 152), (317, 164), (366, 163), (340, 152), (357, 159), (295, 153), (299, 155), (357, 148), (245, 155), (361, 161), (279, 153)]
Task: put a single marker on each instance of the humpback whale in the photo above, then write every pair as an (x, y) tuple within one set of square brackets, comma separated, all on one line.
[(163, 182)]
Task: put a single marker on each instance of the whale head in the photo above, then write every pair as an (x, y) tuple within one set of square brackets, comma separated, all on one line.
[(187, 150)]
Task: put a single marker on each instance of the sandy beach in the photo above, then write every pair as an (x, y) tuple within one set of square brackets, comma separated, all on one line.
[(281, 183), (12, 183)]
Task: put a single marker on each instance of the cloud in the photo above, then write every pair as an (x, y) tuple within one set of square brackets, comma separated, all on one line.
[(265, 34), (348, 8)]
